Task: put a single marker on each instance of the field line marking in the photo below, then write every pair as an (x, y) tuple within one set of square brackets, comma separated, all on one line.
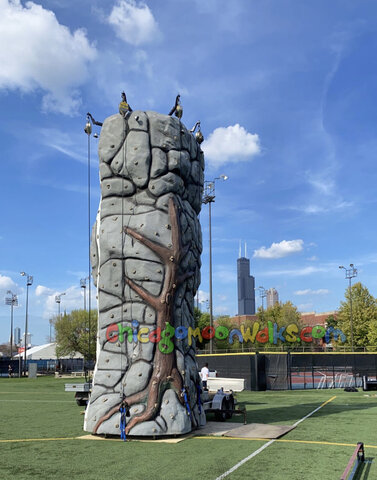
[(314, 411), (318, 442), (315, 442), (239, 464), (35, 401), (15, 440)]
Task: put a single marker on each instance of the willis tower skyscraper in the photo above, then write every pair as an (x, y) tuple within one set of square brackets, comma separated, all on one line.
[(245, 286)]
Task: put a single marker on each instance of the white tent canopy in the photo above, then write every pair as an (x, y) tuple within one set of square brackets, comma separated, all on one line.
[(45, 352)]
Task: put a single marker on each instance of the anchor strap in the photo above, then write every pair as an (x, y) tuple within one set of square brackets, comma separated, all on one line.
[(123, 414), (185, 398)]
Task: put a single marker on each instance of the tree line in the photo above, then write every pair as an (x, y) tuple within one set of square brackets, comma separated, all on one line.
[(72, 329)]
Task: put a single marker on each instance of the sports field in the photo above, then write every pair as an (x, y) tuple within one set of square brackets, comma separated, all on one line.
[(40, 425)]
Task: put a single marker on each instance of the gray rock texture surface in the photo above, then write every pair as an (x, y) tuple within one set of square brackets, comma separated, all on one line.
[(145, 253)]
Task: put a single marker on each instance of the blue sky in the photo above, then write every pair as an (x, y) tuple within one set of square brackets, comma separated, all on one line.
[(286, 94)]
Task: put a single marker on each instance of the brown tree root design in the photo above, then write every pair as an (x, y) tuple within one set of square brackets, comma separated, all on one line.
[(165, 374)]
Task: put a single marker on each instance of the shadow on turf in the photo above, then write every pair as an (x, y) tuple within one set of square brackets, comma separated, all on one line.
[(294, 412), (364, 470)]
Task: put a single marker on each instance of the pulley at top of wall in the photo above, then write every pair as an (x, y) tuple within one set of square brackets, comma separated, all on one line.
[(177, 109), (198, 135)]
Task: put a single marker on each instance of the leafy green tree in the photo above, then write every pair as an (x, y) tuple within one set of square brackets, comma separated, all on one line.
[(72, 333), (364, 316), (281, 313), (224, 321), (202, 320), (331, 321), (372, 335), (197, 315), (5, 349)]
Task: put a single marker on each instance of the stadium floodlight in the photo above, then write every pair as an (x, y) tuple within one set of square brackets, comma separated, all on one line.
[(12, 301), (209, 197), (29, 282), (350, 273)]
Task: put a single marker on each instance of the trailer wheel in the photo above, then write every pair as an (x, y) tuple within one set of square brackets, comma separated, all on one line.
[(220, 416), (226, 404), (229, 406)]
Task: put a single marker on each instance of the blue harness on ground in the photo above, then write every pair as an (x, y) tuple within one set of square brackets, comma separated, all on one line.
[(185, 398), (124, 412)]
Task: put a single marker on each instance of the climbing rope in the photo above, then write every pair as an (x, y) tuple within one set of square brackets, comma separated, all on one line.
[(124, 410)]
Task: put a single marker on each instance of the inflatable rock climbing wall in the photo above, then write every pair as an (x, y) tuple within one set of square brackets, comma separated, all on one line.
[(145, 253)]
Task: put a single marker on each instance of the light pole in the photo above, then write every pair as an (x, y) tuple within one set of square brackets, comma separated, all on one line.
[(209, 197), (58, 299), (50, 322), (83, 286), (29, 282), (350, 273), (88, 131), (262, 294), (13, 302)]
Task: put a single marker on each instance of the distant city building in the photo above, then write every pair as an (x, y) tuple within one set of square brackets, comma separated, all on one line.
[(17, 335), (313, 318), (306, 318), (245, 286), (272, 297), (28, 340)]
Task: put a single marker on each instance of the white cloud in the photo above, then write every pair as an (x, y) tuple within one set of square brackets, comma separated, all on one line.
[(312, 259), (279, 250), (70, 144), (325, 208), (231, 144), (134, 23), (221, 310), (72, 300), (41, 290), (309, 291), (325, 186), (37, 52), (6, 283), (202, 296)]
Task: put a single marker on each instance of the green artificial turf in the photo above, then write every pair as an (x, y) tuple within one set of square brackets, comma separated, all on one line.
[(41, 409)]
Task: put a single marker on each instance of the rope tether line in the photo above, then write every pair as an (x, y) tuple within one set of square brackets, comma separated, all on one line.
[(123, 240), (124, 410)]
